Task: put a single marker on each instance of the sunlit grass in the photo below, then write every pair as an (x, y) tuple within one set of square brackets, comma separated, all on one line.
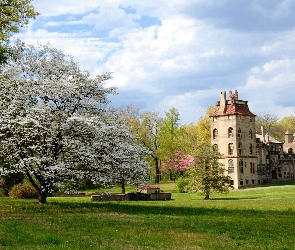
[(242, 219)]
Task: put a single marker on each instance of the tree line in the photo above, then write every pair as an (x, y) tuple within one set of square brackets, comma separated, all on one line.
[(57, 128)]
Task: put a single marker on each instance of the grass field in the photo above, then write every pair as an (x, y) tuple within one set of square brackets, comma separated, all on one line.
[(256, 218)]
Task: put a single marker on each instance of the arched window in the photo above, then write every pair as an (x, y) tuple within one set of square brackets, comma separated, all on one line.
[(230, 132), (231, 168), (230, 149), (240, 148), (215, 133), (251, 149), (215, 148), (239, 133), (250, 134)]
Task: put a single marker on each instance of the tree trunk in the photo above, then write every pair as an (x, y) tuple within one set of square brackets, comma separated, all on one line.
[(158, 173), (123, 186), (43, 197), (207, 197)]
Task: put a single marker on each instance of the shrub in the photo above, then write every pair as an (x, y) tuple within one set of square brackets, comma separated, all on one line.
[(138, 196), (2, 192), (8, 181), (23, 190), (181, 183)]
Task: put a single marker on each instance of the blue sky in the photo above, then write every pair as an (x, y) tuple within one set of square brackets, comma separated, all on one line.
[(179, 53)]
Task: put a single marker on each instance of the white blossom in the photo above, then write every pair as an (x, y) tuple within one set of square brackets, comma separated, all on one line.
[(54, 125)]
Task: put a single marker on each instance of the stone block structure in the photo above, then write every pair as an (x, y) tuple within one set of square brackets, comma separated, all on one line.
[(249, 158)]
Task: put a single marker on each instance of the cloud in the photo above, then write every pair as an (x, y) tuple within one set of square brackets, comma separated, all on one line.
[(245, 16), (191, 105), (180, 53), (270, 87), (85, 50)]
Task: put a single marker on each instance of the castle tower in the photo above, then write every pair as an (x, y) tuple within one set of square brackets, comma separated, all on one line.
[(233, 134)]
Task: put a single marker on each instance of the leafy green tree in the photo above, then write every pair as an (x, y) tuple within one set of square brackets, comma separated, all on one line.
[(170, 134), (207, 175), (147, 126), (288, 123), (13, 15), (194, 136), (275, 127)]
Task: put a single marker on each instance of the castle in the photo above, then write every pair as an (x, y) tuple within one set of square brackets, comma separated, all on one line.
[(249, 158)]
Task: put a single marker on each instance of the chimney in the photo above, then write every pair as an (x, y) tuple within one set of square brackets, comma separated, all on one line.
[(288, 137), (263, 133), (222, 103), (236, 94), (266, 137)]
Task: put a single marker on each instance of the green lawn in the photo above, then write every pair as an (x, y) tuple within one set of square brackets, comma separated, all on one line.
[(253, 218)]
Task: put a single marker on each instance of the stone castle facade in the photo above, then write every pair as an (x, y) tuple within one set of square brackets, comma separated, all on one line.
[(249, 158)]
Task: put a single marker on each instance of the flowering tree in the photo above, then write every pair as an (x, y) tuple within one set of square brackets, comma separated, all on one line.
[(117, 148), (178, 163), (54, 126)]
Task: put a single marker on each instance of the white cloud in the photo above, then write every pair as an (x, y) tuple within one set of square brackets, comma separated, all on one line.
[(199, 49), (85, 50), (190, 105), (270, 88)]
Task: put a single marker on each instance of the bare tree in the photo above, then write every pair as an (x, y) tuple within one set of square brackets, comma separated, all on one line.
[(267, 120)]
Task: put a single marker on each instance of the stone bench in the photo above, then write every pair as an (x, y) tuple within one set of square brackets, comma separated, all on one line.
[(110, 197)]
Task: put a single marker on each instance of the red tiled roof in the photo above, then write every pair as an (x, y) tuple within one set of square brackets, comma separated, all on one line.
[(234, 109)]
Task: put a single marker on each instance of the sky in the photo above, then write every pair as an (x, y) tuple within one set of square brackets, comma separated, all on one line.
[(178, 53)]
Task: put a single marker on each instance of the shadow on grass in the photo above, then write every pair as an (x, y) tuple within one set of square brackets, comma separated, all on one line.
[(234, 198), (279, 183), (170, 210)]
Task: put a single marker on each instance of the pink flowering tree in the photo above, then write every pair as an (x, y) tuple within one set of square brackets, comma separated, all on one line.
[(179, 163)]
